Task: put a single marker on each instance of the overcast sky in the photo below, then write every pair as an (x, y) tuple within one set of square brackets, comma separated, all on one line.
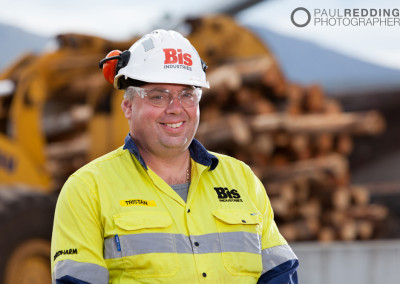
[(122, 19)]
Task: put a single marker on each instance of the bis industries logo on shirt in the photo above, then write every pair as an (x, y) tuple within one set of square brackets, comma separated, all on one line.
[(226, 195)]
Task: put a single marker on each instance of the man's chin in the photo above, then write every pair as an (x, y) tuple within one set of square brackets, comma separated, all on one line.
[(176, 143)]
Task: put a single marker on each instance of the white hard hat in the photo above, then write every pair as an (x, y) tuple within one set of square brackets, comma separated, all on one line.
[(164, 57)]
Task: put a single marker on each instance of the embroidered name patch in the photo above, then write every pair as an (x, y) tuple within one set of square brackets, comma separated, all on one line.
[(65, 251), (133, 202)]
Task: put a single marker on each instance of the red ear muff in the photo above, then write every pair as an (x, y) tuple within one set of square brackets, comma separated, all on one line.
[(109, 65), (114, 61)]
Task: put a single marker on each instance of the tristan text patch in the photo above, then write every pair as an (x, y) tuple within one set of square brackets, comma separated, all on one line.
[(140, 202)]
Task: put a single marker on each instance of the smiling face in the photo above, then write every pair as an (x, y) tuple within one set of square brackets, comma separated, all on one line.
[(161, 131)]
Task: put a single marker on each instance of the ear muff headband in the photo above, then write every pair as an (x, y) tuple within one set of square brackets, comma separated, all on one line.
[(203, 65)]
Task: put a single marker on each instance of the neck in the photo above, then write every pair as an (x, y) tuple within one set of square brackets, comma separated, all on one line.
[(172, 169)]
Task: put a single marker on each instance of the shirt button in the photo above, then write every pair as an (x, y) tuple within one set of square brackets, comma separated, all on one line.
[(196, 244), (204, 274), (188, 211)]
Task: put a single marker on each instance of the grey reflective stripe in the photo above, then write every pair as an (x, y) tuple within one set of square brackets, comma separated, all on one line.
[(274, 256), (209, 243), (110, 249), (183, 244), (240, 242), (177, 243), (88, 272)]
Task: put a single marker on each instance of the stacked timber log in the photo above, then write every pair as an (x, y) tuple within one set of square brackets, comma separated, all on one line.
[(68, 141), (297, 140)]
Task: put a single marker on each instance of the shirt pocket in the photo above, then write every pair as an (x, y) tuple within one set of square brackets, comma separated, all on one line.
[(240, 239), (147, 246)]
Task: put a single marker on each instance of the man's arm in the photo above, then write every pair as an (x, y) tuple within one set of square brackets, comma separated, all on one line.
[(279, 266), (279, 262), (77, 241)]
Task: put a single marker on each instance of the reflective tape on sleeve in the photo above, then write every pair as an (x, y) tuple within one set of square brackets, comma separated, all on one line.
[(136, 244), (274, 256), (88, 272)]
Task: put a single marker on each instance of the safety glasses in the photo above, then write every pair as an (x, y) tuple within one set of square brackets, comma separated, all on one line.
[(160, 97)]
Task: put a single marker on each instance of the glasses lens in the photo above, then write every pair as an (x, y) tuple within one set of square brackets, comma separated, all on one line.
[(189, 97), (159, 98)]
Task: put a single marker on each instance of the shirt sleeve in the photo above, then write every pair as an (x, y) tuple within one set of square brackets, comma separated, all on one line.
[(77, 240), (283, 273), (278, 259), (70, 280)]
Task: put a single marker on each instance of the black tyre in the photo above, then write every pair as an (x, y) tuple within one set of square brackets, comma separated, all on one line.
[(26, 220)]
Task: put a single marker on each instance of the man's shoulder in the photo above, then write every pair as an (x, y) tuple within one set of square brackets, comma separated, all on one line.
[(226, 160), (103, 161), (86, 178)]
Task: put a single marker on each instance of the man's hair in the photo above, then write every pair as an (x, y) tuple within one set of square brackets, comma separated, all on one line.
[(125, 83), (129, 94)]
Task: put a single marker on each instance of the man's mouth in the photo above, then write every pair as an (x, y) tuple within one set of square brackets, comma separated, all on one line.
[(173, 125)]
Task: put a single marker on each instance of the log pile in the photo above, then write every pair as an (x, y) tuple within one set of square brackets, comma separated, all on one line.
[(297, 141)]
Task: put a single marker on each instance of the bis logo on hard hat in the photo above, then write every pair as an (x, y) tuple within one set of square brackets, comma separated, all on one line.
[(159, 57), (175, 58)]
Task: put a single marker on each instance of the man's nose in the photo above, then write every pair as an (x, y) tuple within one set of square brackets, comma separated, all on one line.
[(175, 104)]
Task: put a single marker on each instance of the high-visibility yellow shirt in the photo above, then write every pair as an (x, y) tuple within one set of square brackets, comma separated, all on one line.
[(117, 221)]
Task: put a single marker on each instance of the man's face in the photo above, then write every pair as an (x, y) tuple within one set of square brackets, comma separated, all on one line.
[(161, 131)]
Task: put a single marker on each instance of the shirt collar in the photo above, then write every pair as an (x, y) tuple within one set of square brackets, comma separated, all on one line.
[(197, 152)]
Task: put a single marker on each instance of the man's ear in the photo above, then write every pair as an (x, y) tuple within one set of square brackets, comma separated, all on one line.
[(126, 106)]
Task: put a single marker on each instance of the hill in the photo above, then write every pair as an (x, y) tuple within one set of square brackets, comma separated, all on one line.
[(306, 63), (15, 41)]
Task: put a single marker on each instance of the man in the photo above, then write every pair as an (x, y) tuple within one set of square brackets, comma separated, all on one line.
[(162, 208)]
